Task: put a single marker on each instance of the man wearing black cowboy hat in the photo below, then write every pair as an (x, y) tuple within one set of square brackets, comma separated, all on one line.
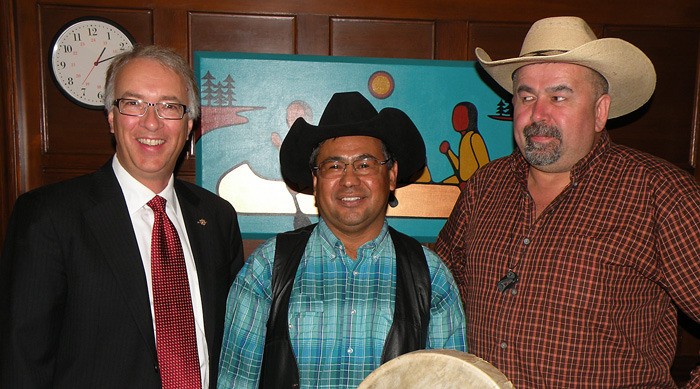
[(325, 305), (574, 252)]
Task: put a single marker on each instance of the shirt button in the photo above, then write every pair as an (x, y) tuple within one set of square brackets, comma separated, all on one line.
[(504, 345), (355, 273), (353, 312), (513, 291), (526, 241), (350, 350)]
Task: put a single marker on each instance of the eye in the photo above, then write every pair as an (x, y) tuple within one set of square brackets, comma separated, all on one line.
[(333, 165), (363, 164), (558, 98), (131, 103), (527, 98)]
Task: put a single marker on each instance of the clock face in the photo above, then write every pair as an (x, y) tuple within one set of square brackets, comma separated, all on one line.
[(80, 55)]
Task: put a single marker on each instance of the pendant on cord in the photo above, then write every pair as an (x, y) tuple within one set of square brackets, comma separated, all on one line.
[(507, 282)]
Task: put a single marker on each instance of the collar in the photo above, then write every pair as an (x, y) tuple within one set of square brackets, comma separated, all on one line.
[(579, 171), (136, 194), (333, 245)]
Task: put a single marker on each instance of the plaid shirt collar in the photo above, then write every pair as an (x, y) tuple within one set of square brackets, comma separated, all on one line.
[(582, 168), (333, 246)]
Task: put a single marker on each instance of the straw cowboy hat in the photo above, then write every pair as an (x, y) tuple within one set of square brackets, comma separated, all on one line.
[(629, 72), (350, 114)]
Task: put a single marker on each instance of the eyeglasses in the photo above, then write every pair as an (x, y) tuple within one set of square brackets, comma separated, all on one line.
[(164, 110), (366, 166)]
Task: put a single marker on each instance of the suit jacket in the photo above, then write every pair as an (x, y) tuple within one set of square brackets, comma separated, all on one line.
[(75, 309)]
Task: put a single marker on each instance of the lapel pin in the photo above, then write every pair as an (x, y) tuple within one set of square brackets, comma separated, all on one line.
[(202, 222)]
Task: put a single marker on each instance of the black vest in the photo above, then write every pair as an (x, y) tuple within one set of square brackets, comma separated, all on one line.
[(408, 331)]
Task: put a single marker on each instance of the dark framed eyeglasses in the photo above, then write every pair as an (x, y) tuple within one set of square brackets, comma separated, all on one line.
[(164, 109), (365, 166)]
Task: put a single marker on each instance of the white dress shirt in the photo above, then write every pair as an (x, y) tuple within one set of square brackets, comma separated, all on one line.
[(137, 196)]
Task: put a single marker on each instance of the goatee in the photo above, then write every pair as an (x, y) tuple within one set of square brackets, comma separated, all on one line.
[(542, 154)]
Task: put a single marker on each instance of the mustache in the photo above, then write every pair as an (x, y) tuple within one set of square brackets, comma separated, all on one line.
[(542, 129)]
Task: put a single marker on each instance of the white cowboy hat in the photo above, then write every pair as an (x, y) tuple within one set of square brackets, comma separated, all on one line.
[(629, 72)]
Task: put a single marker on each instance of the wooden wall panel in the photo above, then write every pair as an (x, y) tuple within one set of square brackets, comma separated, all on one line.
[(382, 38), (243, 33), (451, 40)]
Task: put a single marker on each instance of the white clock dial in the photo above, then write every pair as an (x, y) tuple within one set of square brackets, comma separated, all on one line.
[(80, 55)]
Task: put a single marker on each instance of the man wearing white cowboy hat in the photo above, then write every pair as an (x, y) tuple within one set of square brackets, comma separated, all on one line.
[(574, 253), (325, 305)]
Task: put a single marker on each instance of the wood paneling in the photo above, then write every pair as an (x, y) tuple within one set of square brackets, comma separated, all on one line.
[(664, 126), (242, 33), (382, 38)]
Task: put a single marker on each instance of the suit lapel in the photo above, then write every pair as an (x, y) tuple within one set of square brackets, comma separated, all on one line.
[(120, 249), (196, 217)]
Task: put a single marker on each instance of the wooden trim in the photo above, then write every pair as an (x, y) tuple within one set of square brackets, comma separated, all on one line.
[(8, 128)]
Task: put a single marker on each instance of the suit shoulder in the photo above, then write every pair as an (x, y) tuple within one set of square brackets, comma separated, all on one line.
[(205, 196), (71, 191)]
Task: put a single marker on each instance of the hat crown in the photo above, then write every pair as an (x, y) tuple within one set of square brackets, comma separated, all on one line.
[(347, 108), (556, 35)]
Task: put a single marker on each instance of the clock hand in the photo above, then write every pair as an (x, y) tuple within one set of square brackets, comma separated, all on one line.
[(100, 56), (97, 61), (106, 59)]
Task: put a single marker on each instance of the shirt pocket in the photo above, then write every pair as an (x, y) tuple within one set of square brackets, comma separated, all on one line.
[(306, 319)]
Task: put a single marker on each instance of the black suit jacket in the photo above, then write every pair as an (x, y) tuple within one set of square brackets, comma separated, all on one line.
[(75, 309)]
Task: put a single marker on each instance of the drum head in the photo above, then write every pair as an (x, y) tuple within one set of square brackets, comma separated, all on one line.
[(436, 369)]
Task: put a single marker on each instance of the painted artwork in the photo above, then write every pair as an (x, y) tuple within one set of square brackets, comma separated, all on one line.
[(249, 101)]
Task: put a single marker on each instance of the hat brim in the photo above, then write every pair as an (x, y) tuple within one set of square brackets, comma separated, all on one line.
[(630, 74), (392, 126)]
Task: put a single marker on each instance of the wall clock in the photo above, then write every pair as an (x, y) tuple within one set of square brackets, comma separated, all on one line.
[(80, 54)]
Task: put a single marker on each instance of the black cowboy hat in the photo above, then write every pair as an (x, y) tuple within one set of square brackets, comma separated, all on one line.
[(351, 114)]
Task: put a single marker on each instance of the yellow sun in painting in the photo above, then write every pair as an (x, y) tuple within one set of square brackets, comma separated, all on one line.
[(381, 84)]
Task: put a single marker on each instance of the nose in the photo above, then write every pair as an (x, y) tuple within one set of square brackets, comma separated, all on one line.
[(540, 110), (150, 119), (349, 177)]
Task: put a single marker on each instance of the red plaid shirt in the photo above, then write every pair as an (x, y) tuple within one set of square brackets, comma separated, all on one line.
[(599, 270)]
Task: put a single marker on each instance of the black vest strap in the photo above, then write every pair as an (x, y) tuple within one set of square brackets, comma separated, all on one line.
[(408, 331)]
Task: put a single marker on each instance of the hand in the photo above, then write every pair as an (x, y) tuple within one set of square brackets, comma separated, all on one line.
[(444, 147)]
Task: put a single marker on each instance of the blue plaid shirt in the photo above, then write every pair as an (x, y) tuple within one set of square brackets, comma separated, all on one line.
[(340, 312)]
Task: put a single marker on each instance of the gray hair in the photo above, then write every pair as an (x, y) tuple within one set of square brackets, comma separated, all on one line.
[(166, 57)]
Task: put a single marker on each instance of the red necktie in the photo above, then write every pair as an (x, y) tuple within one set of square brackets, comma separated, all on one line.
[(176, 342)]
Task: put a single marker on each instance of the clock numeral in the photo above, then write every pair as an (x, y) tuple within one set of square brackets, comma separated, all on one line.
[(69, 81), (76, 37), (123, 46), (100, 95), (67, 48), (92, 31), (109, 36), (62, 64), (83, 91)]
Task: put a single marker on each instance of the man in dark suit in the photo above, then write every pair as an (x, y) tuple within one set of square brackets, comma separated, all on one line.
[(80, 307)]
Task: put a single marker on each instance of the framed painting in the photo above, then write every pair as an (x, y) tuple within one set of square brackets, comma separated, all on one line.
[(249, 101)]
